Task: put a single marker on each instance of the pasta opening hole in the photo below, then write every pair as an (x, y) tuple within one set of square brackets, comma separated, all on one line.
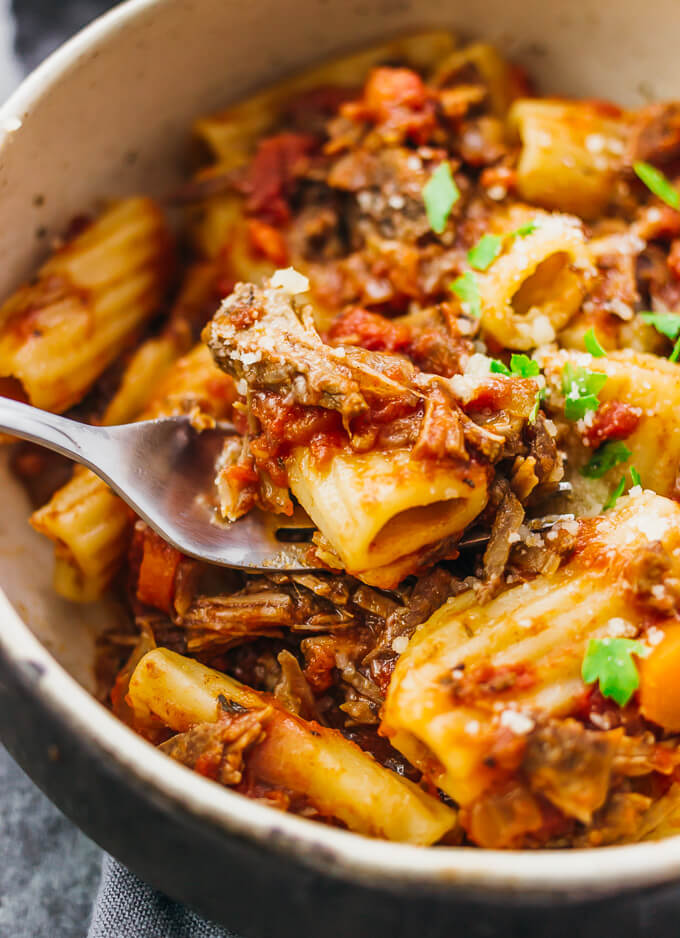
[(545, 282), (434, 520)]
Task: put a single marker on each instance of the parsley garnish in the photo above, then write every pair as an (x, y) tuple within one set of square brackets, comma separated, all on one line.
[(525, 230), (667, 324), (521, 366), (540, 396), (609, 661), (497, 367), (657, 183), (440, 194), (605, 458), (466, 289), (592, 345), (489, 246), (616, 494), (485, 252), (635, 476), (580, 388)]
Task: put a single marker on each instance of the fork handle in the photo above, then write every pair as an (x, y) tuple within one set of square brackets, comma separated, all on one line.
[(60, 434)]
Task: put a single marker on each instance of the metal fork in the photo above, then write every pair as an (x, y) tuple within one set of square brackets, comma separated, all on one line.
[(165, 471)]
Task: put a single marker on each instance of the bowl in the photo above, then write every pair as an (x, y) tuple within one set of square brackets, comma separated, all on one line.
[(108, 114)]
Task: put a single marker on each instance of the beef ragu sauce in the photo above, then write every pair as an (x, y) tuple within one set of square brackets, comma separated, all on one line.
[(418, 259)]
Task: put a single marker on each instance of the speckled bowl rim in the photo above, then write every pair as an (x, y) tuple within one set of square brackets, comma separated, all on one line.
[(578, 873)]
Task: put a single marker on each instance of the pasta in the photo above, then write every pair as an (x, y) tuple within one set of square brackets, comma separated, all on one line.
[(538, 631), (88, 523), (442, 316), (89, 301), (335, 776), (571, 152)]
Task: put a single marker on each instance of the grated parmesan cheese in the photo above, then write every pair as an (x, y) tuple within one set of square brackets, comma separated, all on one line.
[(497, 193), (517, 722), (542, 330), (654, 636), (290, 281)]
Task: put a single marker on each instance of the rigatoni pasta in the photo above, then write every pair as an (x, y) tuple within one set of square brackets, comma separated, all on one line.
[(442, 317), (89, 524), (89, 301)]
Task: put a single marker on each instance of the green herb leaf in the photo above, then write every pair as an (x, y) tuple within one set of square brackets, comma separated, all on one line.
[(673, 357), (523, 367), (485, 251), (440, 194), (525, 230), (497, 367), (657, 183), (667, 324), (466, 289), (580, 387), (616, 495), (540, 396), (605, 458), (592, 345), (609, 661), (635, 476)]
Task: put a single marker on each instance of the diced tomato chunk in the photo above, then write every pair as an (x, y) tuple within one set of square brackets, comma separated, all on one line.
[(396, 101), (266, 184), (613, 421), (370, 331)]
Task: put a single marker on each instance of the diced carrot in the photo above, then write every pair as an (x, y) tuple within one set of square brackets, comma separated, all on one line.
[(660, 681), (156, 583)]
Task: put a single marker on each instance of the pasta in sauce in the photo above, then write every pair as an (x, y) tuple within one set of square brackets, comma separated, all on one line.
[(427, 298)]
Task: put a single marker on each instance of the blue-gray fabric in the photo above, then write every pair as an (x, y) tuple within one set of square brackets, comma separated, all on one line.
[(127, 908)]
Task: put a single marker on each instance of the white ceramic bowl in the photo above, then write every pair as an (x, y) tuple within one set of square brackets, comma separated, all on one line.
[(108, 114)]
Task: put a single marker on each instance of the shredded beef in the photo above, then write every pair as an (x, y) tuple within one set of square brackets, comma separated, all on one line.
[(217, 750)]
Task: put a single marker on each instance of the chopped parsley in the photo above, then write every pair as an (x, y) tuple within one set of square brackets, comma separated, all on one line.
[(440, 194), (605, 458), (616, 494), (497, 367), (635, 476), (521, 366), (667, 324), (466, 289), (580, 387), (489, 246), (485, 252), (609, 661), (540, 396), (592, 345), (525, 230), (657, 183)]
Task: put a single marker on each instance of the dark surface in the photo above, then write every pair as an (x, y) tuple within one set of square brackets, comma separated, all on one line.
[(42, 25), (48, 869)]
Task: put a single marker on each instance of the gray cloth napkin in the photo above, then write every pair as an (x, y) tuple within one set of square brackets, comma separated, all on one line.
[(127, 908)]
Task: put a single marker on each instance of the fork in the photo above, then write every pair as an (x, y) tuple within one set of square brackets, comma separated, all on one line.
[(165, 471)]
